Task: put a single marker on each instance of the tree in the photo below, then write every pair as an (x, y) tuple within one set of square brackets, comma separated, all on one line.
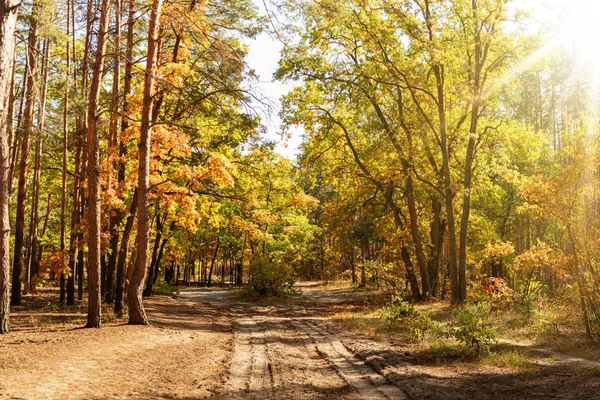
[(8, 22), (93, 156), (137, 314)]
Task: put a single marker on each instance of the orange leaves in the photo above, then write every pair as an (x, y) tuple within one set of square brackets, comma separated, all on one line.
[(56, 262), (175, 73), (222, 172), (168, 140)]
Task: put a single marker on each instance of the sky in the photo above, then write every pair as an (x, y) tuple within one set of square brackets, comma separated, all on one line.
[(263, 58), (574, 21)]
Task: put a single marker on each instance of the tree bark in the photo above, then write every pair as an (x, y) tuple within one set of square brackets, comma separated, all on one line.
[(122, 259), (151, 279), (65, 138), (115, 247), (28, 114), (8, 23), (116, 216), (449, 193), (137, 314), (32, 270), (93, 174)]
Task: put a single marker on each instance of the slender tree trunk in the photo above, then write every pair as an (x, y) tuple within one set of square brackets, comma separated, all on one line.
[(75, 222), (8, 23), (449, 192), (479, 59), (65, 139), (115, 247), (80, 210), (32, 270), (436, 233), (28, 114), (212, 264), (116, 215), (159, 227), (93, 173), (137, 314), (122, 259)]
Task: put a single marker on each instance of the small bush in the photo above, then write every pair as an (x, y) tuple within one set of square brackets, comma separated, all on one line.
[(399, 312), (164, 288), (268, 279), (469, 329)]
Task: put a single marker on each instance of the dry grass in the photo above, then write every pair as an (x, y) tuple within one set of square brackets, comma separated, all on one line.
[(547, 330)]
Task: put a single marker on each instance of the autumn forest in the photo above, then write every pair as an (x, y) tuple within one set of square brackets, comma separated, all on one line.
[(442, 210)]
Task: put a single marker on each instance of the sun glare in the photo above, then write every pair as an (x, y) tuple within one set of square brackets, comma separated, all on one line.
[(579, 32)]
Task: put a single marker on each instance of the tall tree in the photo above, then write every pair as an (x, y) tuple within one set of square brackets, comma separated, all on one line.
[(93, 174), (137, 314), (27, 129), (8, 23)]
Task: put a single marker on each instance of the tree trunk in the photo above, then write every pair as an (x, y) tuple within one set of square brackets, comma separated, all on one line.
[(8, 23), (137, 314), (151, 278), (122, 259), (63, 202), (28, 114), (437, 228), (449, 193), (479, 59), (212, 264), (93, 173), (115, 215), (32, 270)]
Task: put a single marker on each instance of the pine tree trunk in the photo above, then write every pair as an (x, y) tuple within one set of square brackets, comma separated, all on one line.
[(115, 247), (65, 138), (32, 270), (93, 173), (28, 114), (137, 314), (8, 23), (115, 215)]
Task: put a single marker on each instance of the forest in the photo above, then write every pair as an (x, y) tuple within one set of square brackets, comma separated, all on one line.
[(445, 194)]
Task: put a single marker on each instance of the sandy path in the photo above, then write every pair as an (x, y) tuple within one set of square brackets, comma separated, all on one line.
[(209, 345), (279, 353), (180, 356)]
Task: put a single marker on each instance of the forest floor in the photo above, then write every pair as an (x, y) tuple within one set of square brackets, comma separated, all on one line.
[(206, 343)]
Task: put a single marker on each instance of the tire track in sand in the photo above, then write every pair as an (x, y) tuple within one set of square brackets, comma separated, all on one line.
[(362, 378), (249, 367)]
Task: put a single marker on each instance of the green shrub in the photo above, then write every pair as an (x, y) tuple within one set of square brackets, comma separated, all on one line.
[(468, 327), (164, 288), (398, 312), (268, 279)]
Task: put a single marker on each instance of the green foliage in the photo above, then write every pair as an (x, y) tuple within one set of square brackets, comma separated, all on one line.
[(468, 327), (268, 279), (109, 317), (398, 312), (164, 288), (50, 307), (536, 315)]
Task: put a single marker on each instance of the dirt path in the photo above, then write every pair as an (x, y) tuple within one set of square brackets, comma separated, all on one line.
[(207, 344), (183, 355)]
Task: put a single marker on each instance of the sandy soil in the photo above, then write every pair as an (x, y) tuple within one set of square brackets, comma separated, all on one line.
[(183, 355), (206, 344)]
